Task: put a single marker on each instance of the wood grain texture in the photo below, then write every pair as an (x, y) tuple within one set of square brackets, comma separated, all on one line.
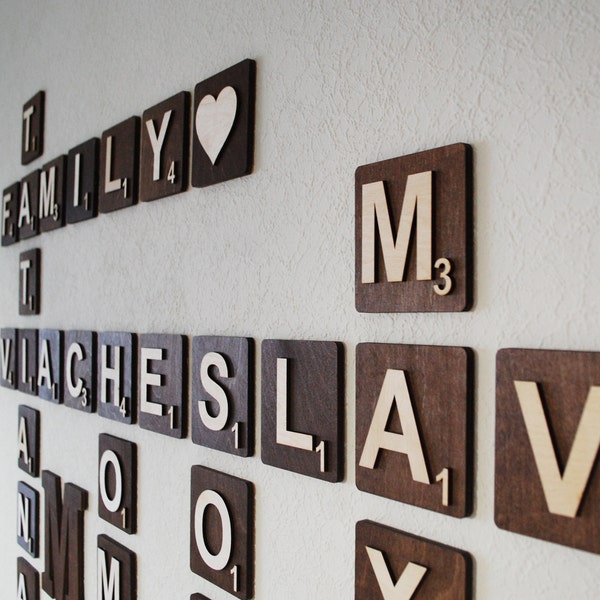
[(123, 516), (119, 166), (28, 519), (314, 371), (27, 360), (28, 581), (32, 136), (236, 157), (127, 580), (28, 437), (79, 381), (50, 365), (173, 149), (52, 199), (449, 570), (9, 358), (162, 383), (238, 495), (452, 232), (440, 385), (30, 267), (564, 380), (10, 214), (28, 222), (119, 399), (82, 181), (63, 538), (236, 385)]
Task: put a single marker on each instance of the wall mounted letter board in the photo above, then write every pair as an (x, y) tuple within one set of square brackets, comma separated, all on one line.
[(32, 138), (303, 407), (27, 221), (29, 440), (119, 164), (30, 266), (28, 519), (547, 438), (10, 214), (53, 179), (50, 353), (79, 386), (28, 355), (222, 530), (116, 571), (116, 376), (28, 581), (414, 232), (393, 564), (82, 181), (414, 425), (117, 482), (8, 358), (223, 394), (223, 140), (162, 383), (165, 148)]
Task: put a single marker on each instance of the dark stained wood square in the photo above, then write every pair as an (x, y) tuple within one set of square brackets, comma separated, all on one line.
[(118, 401), (32, 136), (28, 350), (28, 519), (120, 168), (10, 214), (440, 387), (28, 222), (28, 437), (173, 150), (50, 353), (82, 181), (9, 354), (117, 482), (564, 381), (127, 580), (162, 383), (238, 498), (52, 197), (79, 382), (30, 266), (449, 570), (314, 371), (230, 377), (452, 232), (28, 580), (236, 155)]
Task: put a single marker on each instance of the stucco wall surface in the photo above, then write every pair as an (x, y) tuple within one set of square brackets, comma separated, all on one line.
[(271, 255)]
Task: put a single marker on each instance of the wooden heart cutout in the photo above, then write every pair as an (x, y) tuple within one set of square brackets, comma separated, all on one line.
[(214, 120)]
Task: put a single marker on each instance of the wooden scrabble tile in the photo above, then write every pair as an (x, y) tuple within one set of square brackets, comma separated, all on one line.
[(50, 354), (117, 482), (414, 425), (27, 220), (414, 232), (162, 383), (547, 483), (79, 385), (165, 148), (52, 200), (223, 393), (28, 356), (28, 440), (119, 166), (10, 213), (118, 565), (298, 433), (222, 530), (393, 564), (30, 264), (32, 138), (28, 581), (28, 519), (8, 358), (223, 123), (116, 376), (82, 181)]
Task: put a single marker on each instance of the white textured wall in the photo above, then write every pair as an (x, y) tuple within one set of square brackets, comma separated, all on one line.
[(340, 84)]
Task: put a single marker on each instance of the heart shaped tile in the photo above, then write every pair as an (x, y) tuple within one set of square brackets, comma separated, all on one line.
[(214, 120)]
